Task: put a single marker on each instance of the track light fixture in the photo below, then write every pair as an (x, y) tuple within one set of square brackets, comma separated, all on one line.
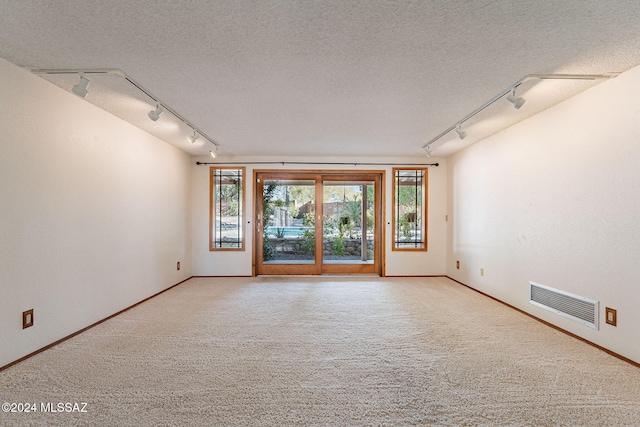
[(516, 101), (427, 150), (214, 152), (192, 139), (155, 114), (81, 88), (461, 134)]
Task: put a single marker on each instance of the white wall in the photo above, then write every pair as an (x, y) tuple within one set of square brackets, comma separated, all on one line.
[(556, 200), (94, 213), (233, 263)]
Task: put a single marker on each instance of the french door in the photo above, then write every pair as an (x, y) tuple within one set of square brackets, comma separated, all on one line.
[(318, 222)]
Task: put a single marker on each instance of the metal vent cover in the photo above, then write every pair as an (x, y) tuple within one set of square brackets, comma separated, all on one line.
[(580, 309)]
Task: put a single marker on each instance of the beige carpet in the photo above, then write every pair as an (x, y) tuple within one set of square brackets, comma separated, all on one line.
[(324, 352)]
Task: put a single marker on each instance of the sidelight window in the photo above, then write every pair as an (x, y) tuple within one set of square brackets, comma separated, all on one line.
[(226, 209), (409, 209)]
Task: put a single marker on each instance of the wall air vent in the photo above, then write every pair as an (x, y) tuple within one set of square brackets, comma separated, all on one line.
[(582, 310)]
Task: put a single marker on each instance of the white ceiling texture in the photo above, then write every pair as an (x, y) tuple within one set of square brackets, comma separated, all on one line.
[(322, 78)]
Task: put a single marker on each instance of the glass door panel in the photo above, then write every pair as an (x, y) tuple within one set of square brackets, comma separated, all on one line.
[(348, 222), (289, 222)]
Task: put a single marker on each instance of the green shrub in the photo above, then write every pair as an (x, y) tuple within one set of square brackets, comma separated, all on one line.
[(338, 245)]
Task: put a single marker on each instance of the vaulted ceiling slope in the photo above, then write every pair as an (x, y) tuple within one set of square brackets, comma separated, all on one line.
[(322, 78)]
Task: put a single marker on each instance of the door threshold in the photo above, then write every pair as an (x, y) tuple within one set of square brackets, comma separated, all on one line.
[(351, 275)]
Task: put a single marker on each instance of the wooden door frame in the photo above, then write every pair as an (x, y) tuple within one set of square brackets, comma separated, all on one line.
[(319, 176)]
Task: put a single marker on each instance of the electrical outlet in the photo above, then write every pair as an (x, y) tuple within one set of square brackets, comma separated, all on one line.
[(482, 271), (611, 316), (178, 265), (27, 319)]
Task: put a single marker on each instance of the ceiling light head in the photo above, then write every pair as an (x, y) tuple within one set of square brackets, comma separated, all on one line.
[(427, 150), (213, 154), (461, 134), (155, 114), (81, 88), (516, 101), (192, 138)]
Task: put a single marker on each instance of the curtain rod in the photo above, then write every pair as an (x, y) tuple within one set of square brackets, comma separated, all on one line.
[(318, 163)]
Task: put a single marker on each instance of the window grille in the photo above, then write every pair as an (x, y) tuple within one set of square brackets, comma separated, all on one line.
[(227, 209), (409, 209)]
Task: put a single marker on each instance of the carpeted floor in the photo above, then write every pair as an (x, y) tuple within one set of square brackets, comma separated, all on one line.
[(324, 352)]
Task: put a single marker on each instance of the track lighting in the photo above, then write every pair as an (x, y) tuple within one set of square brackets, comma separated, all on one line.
[(214, 152), (192, 139), (81, 88), (427, 150), (461, 134), (516, 101), (155, 114)]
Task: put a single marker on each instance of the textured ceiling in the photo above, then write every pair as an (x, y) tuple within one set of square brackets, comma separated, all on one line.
[(322, 78)]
